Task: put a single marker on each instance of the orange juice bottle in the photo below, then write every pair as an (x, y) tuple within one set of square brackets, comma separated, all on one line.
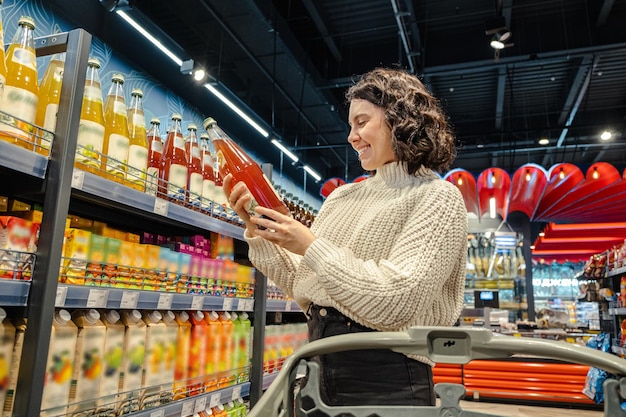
[(48, 104), (89, 360), (194, 167), (113, 355), (134, 358), (21, 91), (219, 411), (90, 139), (241, 341), (154, 360), (173, 169), (3, 65), (138, 148), (197, 353), (182, 355), (231, 158), (60, 365), (208, 173), (213, 349), (170, 341), (116, 142), (155, 151), (226, 376)]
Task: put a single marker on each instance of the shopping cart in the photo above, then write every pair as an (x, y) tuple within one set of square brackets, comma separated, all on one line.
[(456, 345)]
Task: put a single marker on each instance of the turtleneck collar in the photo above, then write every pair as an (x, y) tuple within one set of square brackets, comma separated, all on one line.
[(394, 174)]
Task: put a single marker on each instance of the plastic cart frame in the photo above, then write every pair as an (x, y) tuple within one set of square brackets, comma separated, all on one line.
[(442, 345)]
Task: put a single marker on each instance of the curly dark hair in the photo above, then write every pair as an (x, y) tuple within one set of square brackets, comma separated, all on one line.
[(421, 134)]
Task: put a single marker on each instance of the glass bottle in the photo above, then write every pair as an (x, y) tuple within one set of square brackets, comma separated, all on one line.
[(3, 65), (194, 167), (48, 104), (21, 91), (232, 158), (208, 173), (173, 170), (91, 128), (155, 151), (116, 142), (138, 142)]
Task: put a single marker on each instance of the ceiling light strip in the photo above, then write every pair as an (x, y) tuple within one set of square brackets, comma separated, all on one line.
[(237, 110), (313, 173), (286, 151)]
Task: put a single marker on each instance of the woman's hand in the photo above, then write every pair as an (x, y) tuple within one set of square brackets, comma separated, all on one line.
[(283, 230), (239, 197)]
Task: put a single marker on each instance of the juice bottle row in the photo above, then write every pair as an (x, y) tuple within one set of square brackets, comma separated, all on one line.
[(115, 362), (281, 340)]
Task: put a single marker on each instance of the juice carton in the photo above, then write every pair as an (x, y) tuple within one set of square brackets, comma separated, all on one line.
[(172, 271), (226, 374), (195, 284), (154, 360), (88, 360), (15, 241), (75, 255), (241, 355), (197, 352), (213, 349), (95, 260), (151, 263), (113, 358), (169, 361), (20, 327), (125, 260), (219, 411), (184, 265), (60, 366), (7, 341), (112, 248), (182, 355), (164, 269), (133, 361), (138, 266)]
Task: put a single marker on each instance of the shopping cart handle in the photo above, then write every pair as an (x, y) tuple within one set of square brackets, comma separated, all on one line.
[(457, 345)]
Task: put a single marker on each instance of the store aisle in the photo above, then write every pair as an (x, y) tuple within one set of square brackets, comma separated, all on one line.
[(513, 410)]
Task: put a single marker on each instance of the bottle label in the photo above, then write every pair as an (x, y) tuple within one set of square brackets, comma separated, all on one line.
[(21, 104), (93, 93), (179, 142), (177, 182), (208, 193), (195, 152), (50, 118), (195, 189), (157, 146), (25, 57), (119, 107), (138, 119), (117, 155), (152, 180), (137, 163), (89, 143)]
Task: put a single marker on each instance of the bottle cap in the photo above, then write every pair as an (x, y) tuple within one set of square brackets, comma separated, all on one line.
[(183, 316), (3, 313), (209, 122), (134, 316), (92, 315), (213, 315), (112, 316), (243, 315), (93, 62), (118, 78), (155, 316), (198, 315), (168, 316), (155, 120), (136, 92), (177, 116), (192, 126), (26, 21), (233, 316), (204, 135), (62, 316)]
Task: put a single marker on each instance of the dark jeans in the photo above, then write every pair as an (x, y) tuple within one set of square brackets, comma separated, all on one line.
[(369, 376)]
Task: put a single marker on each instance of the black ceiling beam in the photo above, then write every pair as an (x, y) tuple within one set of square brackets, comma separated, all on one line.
[(607, 5), (500, 90), (321, 27), (404, 37)]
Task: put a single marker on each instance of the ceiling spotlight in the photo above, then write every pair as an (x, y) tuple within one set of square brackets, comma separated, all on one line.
[(606, 135), (544, 141), (199, 74), (498, 40)]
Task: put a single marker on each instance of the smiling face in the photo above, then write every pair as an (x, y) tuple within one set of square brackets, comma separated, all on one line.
[(369, 134)]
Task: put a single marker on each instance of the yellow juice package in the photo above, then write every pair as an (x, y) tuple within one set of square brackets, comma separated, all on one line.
[(126, 258), (151, 264), (112, 250), (75, 256), (95, 260), (138, 266)]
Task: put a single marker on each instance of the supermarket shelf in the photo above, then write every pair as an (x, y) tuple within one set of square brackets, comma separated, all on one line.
[(268, 379), (282, 306), (617, 311), (616, 272), (137, 200), (22, 160), (79, 296), (198, 403), (14, 293)]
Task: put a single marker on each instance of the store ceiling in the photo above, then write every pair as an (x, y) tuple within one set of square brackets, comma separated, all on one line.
[(290, 61)]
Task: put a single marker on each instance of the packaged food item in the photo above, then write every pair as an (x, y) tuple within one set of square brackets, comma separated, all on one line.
[(16, 246), (113, 358), (75, 255)]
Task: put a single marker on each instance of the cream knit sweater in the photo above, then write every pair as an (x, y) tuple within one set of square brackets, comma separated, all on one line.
[(390, 252)]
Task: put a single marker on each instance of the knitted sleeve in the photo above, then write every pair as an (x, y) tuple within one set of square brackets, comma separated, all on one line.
[(420, 282)]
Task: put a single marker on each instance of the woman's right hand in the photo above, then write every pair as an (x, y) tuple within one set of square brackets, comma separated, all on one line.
[(239, 197)]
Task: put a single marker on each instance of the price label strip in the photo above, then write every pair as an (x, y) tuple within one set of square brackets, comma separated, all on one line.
[(78, 179), (200, 405), (187, 409), (129, 300), (161, 206), (165, 301), (197, 302), (236, 392), (228, 304), (215, 400), (61, 296), (97, 298)]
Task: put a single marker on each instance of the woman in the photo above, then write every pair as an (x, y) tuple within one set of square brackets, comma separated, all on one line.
[(383, 254)]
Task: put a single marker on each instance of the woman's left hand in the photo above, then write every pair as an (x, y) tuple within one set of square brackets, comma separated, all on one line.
[(283, 230)]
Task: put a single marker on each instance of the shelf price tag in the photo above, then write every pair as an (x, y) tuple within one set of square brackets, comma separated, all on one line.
[(236, 392), (241, 304), (215, 400), (165, 301), (129, 300), (250, 304), (187, 409), (288, 306), (200, 405), (61, 296), (97, 298), (228, 304), (158, 413), (197, 302), (78, 178), (161, 206)]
